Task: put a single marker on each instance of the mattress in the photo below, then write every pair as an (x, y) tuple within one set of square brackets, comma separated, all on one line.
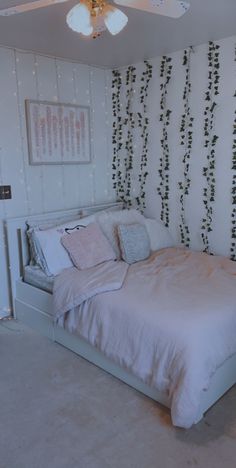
[(35, 276)]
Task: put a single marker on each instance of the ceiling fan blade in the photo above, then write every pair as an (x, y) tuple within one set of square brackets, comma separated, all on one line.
[(171, 8), (29, 7)]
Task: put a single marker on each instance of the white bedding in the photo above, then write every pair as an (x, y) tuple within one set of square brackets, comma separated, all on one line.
[(171, 324)]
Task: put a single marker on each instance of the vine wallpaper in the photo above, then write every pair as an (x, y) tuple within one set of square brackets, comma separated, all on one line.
[(186, 139), (174, 143), (233, 190), (165, 116), (210, 141), (130, 123)]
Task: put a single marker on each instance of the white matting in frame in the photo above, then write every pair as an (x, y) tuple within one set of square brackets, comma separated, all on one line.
[(58, 133)]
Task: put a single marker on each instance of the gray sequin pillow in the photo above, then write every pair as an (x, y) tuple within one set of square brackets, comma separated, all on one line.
[(134, 242)]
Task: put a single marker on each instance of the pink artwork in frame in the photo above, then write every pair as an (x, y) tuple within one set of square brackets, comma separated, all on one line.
[(58, 133)]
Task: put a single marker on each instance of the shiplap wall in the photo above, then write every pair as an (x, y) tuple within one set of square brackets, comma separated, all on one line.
[(41, 189)]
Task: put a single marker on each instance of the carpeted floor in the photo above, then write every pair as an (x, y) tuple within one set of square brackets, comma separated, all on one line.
[(59, 411)]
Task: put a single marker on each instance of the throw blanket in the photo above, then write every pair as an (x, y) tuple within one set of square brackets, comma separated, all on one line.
[(171, 324), (72, 287)]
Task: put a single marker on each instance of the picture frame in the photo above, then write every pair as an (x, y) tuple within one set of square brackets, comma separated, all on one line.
[(57, 133)]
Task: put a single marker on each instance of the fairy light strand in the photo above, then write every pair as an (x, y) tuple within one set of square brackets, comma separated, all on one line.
[(21, 116), (76, 101), (91, 101), (109, 190), (58, 77), (38, 98)]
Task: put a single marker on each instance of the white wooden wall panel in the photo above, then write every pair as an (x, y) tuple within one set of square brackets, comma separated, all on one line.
[(84, 183), (27, 89), (66, 94), (10, 135), (99, 119), (52, 177), (109, 129), (41, 189)]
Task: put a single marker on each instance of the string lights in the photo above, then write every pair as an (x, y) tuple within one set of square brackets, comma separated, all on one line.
[(58, 77), (91, 104), (21, 149), (108, 191), (29, 73), (38, 94)]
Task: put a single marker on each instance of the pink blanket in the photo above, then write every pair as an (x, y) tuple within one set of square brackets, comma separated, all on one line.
[(72, 287)]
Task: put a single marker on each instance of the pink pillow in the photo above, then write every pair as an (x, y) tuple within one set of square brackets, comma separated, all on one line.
[(88, 247)]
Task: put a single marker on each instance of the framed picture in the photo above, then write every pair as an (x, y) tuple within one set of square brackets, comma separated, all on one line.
[(58, 133)]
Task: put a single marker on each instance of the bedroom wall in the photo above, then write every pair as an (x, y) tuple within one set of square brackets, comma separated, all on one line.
[(220, 238), (41, 189)]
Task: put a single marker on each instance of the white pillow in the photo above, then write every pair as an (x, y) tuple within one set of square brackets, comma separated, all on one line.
[(109, 221), (159, 235), (55, 255), (50, 223), (36, 256)]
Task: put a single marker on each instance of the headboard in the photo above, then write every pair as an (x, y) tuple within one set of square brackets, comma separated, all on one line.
[(17, 243)]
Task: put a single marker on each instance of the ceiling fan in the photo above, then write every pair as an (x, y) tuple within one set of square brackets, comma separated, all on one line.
[(91, 17)]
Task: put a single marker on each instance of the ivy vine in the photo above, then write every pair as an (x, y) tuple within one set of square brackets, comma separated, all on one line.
[(210, 141), (125, 121), (117, 137), (129, 122), (186, 140), (143, 123), (233, 190), (164, 166), (233, 194), (122, 163)]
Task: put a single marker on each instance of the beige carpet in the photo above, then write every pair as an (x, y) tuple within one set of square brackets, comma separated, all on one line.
[(59, 411)]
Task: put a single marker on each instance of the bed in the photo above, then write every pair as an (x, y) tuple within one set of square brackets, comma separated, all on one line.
[(33, 304)]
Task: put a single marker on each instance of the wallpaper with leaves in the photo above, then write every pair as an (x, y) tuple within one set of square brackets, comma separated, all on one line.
[(130, 129), (174, 143)]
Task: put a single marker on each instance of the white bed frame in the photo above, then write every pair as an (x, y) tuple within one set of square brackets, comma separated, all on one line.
[(33, 307)]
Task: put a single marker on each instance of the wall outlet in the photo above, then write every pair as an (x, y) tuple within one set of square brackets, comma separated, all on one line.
[(5, 192)]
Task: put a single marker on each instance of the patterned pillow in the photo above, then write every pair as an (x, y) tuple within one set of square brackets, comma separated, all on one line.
[(134, 242), (108, 223), (88, 247)]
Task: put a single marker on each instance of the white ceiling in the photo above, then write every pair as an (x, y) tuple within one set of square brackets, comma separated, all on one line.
[(145, 36)]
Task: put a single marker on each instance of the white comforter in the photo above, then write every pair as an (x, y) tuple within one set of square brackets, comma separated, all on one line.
[(171, 324)]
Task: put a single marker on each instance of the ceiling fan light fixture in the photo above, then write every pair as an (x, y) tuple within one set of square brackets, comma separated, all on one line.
[(114, 19), (79, 19), (98, 24)]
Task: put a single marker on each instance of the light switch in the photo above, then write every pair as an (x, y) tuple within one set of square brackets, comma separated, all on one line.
[(5, 192)]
